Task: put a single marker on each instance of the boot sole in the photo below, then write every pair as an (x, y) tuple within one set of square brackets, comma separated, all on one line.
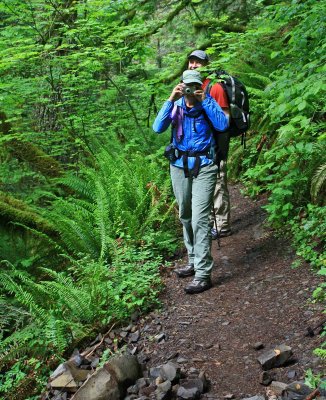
[(195, 291), (182, 275)]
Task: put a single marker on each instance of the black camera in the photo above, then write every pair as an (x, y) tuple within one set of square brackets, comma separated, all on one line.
[(189, 89), (171, 153)]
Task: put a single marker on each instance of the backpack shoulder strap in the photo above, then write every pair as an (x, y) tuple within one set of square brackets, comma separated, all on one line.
[(208, 87)]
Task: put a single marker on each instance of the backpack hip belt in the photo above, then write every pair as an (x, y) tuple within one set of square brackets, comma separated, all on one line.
[(196, 154)]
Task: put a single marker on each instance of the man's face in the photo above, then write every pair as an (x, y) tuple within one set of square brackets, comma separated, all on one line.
[(194, 63)]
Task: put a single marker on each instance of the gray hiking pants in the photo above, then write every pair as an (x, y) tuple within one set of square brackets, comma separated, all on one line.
[(195, 199)]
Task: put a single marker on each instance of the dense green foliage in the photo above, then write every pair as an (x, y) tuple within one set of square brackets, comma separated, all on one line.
[(85, 201)]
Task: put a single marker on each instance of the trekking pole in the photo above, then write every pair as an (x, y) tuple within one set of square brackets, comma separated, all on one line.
[(217, 230)]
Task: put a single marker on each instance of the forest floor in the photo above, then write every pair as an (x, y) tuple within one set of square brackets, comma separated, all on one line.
[(256, 297)]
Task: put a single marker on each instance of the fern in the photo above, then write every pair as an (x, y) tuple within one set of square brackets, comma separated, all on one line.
[(23, 297), (317, 189)]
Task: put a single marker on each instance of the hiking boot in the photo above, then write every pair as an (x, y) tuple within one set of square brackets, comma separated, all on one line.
[(222, 233), (184, 272), (198, 286), (225, 232)]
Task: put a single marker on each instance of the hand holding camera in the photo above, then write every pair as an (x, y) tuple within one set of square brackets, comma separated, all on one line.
[(187, 90), (177, 92)]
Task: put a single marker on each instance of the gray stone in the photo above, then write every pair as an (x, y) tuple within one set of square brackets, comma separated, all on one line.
[(147, 390), (58, 371), (141, 382), (126, 368), (131, 397), (77, 359), (160, 337), (291, 374), (296, 391), (182, 360), (59, 395), (163, 390), (67, 376), (276, 357), (193, 370), (110, 381), (95, 362), (195, 383), (154, 372), (133, 389), (254, 398), (277, 387), (170, 371), (127, 328), (258, 346), (202, 377), (184, 393), (266, 378), (64, 381), (134, 337), (102, 385)]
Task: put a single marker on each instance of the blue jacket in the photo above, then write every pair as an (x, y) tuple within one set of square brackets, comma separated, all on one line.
[(197, 134)]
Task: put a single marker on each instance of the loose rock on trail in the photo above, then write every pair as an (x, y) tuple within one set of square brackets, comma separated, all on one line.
[(257, 298), (242, 338)]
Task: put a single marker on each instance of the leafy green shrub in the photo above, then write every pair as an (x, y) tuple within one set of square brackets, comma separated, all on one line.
[(61, 310), (117, 200), (308, 232)]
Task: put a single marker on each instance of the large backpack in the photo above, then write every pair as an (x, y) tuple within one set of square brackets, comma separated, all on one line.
[(238, 102)]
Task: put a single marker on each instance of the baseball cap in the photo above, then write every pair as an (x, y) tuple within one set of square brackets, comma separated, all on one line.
[(199, 54), (191, 76)]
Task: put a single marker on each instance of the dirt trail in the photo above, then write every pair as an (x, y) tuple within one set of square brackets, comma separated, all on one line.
[(256, 297)]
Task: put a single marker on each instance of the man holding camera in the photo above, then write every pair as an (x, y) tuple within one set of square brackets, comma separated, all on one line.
[(197, 59), (192, 113)]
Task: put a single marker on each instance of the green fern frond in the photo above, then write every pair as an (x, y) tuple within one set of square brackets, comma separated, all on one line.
[(21, 342), (100, 215), (48, 239), (79, 185), (317, 189), (56, 333), (23, 297), (254, 77), (11, 316), (65, 292), (78, 236)]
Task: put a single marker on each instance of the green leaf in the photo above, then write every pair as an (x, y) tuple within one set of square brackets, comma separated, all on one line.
[(302, 105)]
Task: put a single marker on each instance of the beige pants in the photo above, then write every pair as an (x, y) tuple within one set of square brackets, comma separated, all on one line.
[(222, 200)]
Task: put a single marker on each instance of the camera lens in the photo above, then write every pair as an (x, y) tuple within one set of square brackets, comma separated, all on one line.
[(188, 90)]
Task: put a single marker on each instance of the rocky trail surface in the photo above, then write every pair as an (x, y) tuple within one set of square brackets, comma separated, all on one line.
[(258, 303), (257, 300)]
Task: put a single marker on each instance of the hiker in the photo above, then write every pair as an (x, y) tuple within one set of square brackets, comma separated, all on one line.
[(222, 220), (193, 172)]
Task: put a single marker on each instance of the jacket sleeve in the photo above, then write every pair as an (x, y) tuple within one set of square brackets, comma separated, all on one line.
[(164, 117), (215, 114)]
